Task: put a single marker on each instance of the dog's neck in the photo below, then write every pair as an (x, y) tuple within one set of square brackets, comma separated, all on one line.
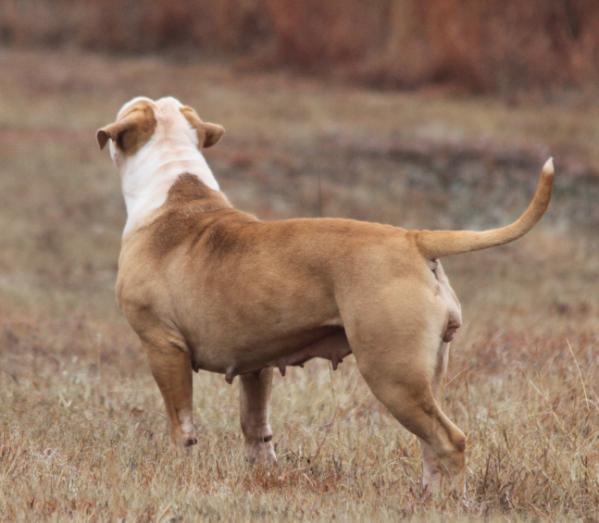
[(150, 173)]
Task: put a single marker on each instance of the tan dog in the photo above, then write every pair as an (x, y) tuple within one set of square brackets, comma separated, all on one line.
[(206, 286)]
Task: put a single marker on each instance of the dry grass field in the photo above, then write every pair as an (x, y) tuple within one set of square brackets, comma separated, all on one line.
[(83, 432)]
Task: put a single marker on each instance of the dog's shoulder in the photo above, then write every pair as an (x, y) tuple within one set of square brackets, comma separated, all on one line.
[(196, 217)]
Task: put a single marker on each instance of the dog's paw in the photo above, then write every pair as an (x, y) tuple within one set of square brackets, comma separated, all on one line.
[(261, 454)]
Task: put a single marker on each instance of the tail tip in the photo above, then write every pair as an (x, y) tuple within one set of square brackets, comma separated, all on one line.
[(548, 168)]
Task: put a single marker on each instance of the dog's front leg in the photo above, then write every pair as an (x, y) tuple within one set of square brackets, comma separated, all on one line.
[(171, 368), (254, 397)]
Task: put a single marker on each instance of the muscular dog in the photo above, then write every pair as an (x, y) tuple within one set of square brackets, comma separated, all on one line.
[(208, 287)]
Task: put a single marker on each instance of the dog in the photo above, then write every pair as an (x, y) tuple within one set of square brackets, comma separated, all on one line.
[(208, 287)]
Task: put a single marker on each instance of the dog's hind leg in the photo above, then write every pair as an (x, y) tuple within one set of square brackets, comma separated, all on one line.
[(171, 368), (254, 396), (407, 393), (397, 354), (431, 471)]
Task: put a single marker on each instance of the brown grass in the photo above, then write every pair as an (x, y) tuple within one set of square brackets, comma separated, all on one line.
[(82, 426), (496, 45)]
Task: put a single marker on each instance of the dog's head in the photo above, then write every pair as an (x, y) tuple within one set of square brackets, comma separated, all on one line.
[(142, 120)]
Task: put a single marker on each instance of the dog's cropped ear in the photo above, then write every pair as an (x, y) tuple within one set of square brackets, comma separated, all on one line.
[(130, 131), (208, 133), (214, 133)]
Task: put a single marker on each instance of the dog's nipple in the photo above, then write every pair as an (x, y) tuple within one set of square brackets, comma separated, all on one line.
[(230, 375)]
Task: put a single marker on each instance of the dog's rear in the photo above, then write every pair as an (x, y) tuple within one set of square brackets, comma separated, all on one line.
[(403, 356)]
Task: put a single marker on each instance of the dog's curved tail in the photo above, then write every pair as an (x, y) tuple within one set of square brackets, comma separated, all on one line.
[(435, 244)]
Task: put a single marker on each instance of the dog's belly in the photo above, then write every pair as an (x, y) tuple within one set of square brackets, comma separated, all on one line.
[(290, 350), (333, 347)]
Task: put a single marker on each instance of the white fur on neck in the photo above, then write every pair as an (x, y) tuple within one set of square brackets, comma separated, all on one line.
[(148, 175)]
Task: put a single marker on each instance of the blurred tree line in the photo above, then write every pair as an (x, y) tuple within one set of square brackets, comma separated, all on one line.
[(481, 45)]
